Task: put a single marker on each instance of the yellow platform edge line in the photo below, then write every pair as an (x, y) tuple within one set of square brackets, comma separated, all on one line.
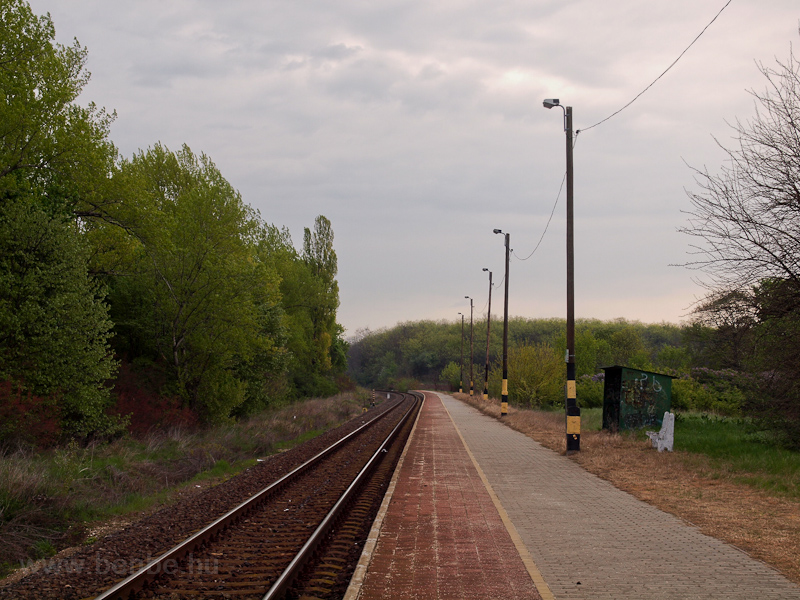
[(524, 554), (359, 574)]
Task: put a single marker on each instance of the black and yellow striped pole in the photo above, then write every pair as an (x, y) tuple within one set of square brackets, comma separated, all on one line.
[(471, 351), (504, 390), (573, 412), (488, 337), (461, 381)]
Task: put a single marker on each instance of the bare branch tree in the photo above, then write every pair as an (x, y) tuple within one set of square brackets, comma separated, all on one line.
[(746, 218)]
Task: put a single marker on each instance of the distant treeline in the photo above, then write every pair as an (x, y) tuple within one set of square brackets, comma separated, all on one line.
[(138, 289), (422, 350), (717, 368), (428, 352)]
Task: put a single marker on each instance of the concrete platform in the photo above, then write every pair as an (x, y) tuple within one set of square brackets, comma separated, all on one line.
[(482, 511)]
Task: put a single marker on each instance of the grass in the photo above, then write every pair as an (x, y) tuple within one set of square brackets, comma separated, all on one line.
[(591, 419), (49, 500), (300, 439), (735, 450), (739, 452)]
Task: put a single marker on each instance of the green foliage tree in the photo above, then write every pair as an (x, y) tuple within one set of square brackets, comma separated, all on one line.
[(535, 376), (54, 325), (673, 358), (422, 349), (387, 370), (590, 390), (197, 284), (55, 166), (628, 349), (593, 346), (322, 290), (452, 375), (207, 299), (316, 349), (49, 144)]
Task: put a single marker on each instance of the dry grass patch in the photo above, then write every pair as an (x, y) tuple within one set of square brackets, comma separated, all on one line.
[(53, 499), (765, 526)]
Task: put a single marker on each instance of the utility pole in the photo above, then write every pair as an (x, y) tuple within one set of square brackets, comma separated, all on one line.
[(471, 353), (573, 412), (461, 382), (488, 337), (504, 392)]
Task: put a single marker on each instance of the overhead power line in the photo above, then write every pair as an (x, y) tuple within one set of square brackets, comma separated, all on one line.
[(552, 212), (575, 141), (660, 76)]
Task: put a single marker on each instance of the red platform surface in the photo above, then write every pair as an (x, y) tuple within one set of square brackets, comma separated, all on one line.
[(442, 536)]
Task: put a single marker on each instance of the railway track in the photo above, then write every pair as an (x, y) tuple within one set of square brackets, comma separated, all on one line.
[(299, 537)]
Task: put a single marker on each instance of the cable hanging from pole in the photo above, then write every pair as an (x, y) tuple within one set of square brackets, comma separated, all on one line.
[(552, 212), (659, 77), (578, 131)]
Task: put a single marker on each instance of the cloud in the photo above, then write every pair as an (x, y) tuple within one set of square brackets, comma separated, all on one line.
[(417, 127)]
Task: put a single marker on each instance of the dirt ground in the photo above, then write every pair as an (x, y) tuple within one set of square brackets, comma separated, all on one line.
[(764, 526)]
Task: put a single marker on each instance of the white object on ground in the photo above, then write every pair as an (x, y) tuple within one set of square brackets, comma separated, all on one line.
[(664, 439)]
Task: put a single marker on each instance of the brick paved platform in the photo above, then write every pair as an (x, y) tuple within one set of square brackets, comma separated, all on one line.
[(442, 535), (580, 528), (577, 536)]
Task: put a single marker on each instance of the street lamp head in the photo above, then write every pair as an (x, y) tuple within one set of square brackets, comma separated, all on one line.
[(485, 269), (550, 102), (498, 231), (468, 297)]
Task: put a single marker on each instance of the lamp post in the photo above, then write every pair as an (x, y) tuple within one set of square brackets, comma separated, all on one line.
[(488, 333), (504, 392), (573, 413), (471, 354), (461, 382)]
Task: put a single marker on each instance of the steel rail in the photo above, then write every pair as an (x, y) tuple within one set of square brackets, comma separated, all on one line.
[(136, 581), (281, 585)]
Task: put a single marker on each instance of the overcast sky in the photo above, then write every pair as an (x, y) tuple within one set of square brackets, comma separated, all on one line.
[(417, 127)]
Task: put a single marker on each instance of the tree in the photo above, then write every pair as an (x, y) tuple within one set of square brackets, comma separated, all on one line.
[(731, 317), (49, 144), (208, 299), (535, 376), (309, 297), (323, 290), (746, 219), (54, 325), (452, 374), (55, 166), (629, 349)]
